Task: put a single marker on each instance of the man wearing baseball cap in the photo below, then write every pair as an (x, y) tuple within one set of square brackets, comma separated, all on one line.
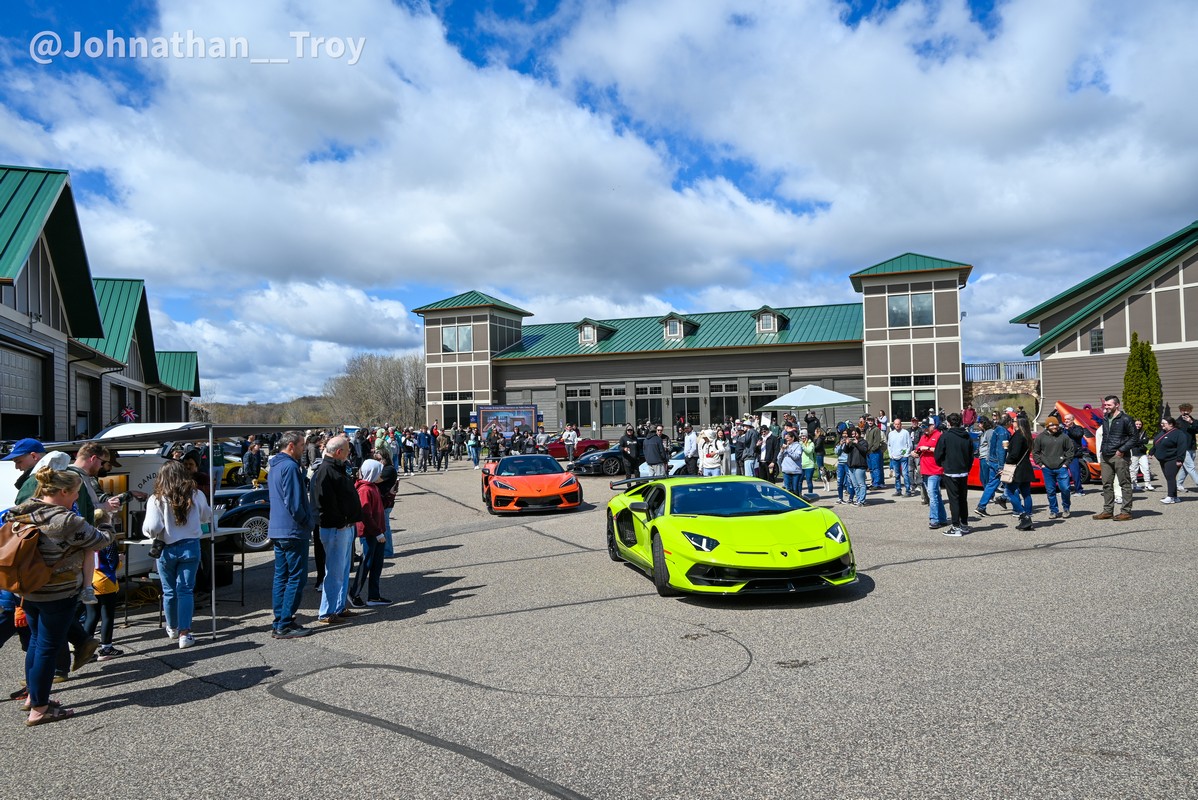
[(25, 454)]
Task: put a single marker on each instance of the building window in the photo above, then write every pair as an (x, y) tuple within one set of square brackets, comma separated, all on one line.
[(578, 405), (900, 380), (648, 403), (1096, 341), (673, 329), (457, 339), (909, 310), (613, 412), (587, 334), (765, 323), (925, 380)]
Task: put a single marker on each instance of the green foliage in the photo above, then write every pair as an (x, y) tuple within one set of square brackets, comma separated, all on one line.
[(1142, 394)]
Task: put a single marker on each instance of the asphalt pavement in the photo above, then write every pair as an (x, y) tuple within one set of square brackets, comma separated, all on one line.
[(518, 661)]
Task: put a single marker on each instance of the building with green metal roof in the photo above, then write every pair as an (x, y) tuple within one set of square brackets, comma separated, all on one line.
[(1084, 332), (74, 353), (898, 349)]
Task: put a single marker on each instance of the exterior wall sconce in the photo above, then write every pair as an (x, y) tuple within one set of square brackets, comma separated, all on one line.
[(595, 403), (561, 403), (630, 402)]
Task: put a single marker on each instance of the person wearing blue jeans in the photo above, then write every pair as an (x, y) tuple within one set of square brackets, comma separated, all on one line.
[(1053, 450), (290, 530), (177, 567), (337, 507), (338, 559), (996, 457), (932, 474)]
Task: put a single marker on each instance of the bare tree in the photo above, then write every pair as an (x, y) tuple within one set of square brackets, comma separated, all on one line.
[(376, 389)]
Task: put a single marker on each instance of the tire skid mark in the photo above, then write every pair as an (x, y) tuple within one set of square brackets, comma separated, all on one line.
[(280, 691)]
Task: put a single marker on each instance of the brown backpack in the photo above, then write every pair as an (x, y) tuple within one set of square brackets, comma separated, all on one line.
[(22, 568)]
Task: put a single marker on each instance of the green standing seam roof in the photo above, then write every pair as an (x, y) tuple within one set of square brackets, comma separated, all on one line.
[(179, 370), (124, 310), (470, 300), (1116, 291), (721, 329), (33, 200), (910, 262), (1032, 315)]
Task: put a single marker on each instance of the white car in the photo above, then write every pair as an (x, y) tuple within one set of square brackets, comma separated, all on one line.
[(677, 464)]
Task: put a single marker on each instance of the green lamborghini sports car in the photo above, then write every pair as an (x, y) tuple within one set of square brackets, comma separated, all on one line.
[(727, 535)]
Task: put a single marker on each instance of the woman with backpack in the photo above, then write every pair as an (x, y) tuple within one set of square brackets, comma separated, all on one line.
[(65, 539)]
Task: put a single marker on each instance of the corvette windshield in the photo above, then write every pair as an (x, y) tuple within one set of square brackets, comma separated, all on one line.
[(528, 465), (732, 499)]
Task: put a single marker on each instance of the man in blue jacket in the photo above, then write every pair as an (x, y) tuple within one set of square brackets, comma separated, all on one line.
[(997, 455), (290, 530)]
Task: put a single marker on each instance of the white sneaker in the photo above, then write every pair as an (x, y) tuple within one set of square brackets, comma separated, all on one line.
[(1168, 500), (186, 640), (88, 595), (171, 633)]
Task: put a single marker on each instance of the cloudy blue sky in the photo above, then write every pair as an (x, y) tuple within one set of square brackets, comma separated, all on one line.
[(593, 158)]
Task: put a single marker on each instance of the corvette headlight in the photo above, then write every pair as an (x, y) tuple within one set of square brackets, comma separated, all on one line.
[(704, 543), (502, 485), (569, 480), (836, 533)]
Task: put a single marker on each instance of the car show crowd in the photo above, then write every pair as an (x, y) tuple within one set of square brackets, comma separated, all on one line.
[(331, 494)]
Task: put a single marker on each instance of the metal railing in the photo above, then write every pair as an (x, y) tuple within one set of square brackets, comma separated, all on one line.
[(1002, 371)]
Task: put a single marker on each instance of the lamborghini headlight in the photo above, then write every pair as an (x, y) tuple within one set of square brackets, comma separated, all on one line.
[(704, 543), (505, 486), (836, 533)]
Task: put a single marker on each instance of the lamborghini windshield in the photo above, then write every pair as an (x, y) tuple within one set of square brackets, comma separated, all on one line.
[(732, 499)]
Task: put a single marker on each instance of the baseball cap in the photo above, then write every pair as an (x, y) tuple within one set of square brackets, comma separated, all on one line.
[(24, 447)]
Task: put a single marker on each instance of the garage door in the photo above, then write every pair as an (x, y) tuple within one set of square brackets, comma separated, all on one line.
[(20, 383)]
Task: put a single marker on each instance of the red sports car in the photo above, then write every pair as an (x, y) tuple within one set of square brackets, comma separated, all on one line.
[(584, 446), (529, 483), (975, 479)]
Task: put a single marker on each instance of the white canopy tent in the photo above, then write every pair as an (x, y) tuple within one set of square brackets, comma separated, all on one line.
[(813, 397)]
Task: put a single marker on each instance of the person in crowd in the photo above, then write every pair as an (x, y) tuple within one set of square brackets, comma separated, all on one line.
[(954, 455), (1053, 451), (808, 463), (102, 614), (313, 447), (767, 454), (1118, 432), (790, 456), (811, 420), (882, 420), (424, 446), (629, 446), (751, 444), (570, 440), (1189, 428), (337, 507), (66, 541), (711, 455), (407, 443), (858, 461), (388, 486), (876, 440), (473, 444), (844, 474), (1169, 449), (290, 528), (969, 416), (933, 475), (251, 466), (1019, 489), (987, 433), (25, 454), (444, 448), (898, 444), (174, 514), (996, 457), (370, 532), (690, 449), (819, 453), (1078, 434), (1139, 458), (656, 455), (728, 455)]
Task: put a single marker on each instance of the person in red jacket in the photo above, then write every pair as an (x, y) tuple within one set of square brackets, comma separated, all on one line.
[(932, 474), (372, 535)]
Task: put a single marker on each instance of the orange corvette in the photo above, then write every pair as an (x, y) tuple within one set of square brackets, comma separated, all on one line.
[(529, 483)]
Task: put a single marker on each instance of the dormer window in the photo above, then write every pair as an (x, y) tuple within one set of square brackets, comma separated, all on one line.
[(673, 329), (769, 320), (586, 334), (766, 323)]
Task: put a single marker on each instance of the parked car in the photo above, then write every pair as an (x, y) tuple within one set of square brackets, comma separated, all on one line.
[(584, 446), (233, 475), (528, 483), (245, 508), (600, 462), (677, 463)]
